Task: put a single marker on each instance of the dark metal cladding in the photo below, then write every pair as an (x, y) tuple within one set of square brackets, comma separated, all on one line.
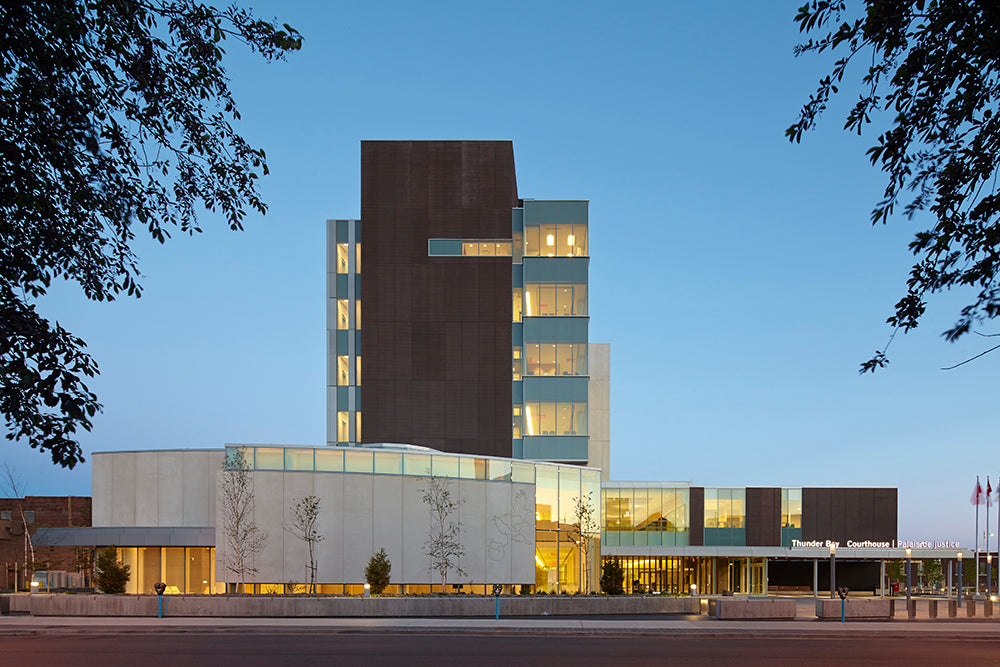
[(763, 516), (436, 331)]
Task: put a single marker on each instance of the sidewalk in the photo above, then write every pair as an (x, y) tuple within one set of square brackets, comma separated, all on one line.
[(700, 626)]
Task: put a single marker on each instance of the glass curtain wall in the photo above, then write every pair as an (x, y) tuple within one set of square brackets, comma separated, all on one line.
[(189, 570), (645, 516)]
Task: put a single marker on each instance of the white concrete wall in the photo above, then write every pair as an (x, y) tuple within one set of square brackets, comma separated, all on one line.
[(599, 408), (359, 514), (164, 488)]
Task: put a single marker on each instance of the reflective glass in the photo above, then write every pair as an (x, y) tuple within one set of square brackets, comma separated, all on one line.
[(343, 370), (343, 314), (532, 245), (342, 258), (523, 472), (470, 249), (499, 469)]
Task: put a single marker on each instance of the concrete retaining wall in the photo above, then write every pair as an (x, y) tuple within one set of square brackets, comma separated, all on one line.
[(862, 608), (292, 606), (744, 609)]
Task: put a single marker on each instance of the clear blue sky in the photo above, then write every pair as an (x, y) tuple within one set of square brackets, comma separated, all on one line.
[(736, 275)]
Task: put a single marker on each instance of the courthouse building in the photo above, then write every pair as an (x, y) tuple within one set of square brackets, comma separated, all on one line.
[(458, 347)]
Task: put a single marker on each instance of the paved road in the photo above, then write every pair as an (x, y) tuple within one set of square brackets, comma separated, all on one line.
[(414, 649)]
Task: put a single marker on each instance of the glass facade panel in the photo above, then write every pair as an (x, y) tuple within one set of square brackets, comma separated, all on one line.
[(343, 314), (517, 304), (342, 257), (298, 459), (360, 461), (418, 465), (444, 466), (330, 460), (523, 472), (563, 240), (199, 570), (498, 469), (343, 370), (388, 463), (541, 299), (343, 426), (173, 570), (270, 458), (555, 418), (470, 249), (517, 362), (148, 574)]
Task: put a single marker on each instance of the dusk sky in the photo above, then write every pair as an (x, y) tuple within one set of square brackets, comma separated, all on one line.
[(736, 276)]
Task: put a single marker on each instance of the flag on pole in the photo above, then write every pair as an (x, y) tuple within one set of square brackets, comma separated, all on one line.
[(989, 492), (977, 494)]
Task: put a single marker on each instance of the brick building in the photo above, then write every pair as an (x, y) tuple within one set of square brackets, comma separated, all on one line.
[(40, 513)]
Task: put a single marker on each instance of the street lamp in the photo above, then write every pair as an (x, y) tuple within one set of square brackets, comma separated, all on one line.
[(833, 570), (989, 576), (908, 554), (959, 579)]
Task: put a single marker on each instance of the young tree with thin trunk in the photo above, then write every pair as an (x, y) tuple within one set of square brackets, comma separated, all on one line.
[(13, 486), (243, 539), (305, 517), (444, 546), (586, 525)]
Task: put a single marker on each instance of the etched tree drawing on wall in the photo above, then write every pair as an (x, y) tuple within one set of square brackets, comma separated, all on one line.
[(243, 539), (444, 545), (587, 529), (304, 520)]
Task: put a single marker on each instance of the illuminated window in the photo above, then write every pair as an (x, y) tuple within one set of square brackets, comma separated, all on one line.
[(470, 249), (517, 303), (791, 508), (555, 418), (343, 373), (357, 314), (343, 428), (343, 314), (517, 362), (555, 241), (517, 421), (542, 299), (342, 256), (357, 431), (357, 260), (555, 359), (357, 375)]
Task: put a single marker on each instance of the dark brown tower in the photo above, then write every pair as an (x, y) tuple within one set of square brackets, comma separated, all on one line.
[(436, 331)]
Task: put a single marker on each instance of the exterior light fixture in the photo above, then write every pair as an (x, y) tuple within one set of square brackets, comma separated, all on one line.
[(368, 589)]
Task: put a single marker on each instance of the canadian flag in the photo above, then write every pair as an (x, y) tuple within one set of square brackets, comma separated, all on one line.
[(977, 494), (989, 492)]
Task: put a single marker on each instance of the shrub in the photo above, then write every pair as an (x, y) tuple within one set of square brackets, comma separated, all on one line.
[(377, 571), (613, 578), (111, 574)]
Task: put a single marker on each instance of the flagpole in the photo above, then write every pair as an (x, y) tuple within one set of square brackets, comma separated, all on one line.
[(989, 494), (978, 500)]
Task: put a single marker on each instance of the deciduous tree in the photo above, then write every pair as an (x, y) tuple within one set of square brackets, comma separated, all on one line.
[(444, 545), (305, 526), (244, 539), (929, 80), (115, 117)]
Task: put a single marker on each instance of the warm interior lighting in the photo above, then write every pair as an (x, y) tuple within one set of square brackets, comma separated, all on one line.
[(527, 301), (550, 239), (539, 561), (527, 413), (570, 239)]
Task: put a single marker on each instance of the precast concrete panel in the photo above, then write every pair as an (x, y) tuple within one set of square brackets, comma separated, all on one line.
[(170, 489), (473, 514), (358, 528), (387, 527), (102, 476), (295, 554), (146, 489), (330, 552), (269, 501), (500, 531), (416, 529), (123, 509)]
